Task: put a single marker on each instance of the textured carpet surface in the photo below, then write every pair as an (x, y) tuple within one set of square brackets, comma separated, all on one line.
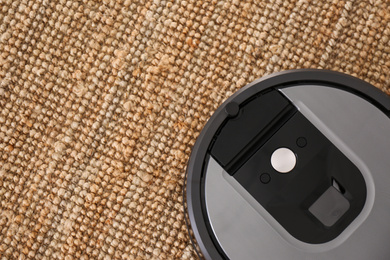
[(101, 102)]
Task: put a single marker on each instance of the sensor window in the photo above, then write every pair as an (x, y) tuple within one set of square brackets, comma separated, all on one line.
[(330, 207)]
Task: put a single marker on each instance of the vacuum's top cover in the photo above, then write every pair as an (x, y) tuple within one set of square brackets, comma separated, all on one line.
[(294, 166)]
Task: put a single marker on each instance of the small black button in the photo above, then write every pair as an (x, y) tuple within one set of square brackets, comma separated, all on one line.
[(265, 178), (232, 109), (301, 142)]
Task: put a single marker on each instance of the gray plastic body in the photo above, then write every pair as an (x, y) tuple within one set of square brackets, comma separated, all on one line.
[(228, 223), (244, 230)]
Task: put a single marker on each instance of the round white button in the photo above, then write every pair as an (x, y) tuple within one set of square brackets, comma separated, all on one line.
[(283, 160)]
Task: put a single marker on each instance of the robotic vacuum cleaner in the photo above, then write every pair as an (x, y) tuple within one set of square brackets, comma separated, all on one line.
[(293, 166)]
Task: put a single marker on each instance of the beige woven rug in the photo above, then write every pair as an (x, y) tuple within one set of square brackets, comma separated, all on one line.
[(101, 102)]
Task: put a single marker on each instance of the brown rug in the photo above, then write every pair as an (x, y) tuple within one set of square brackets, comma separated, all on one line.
[(101, 102)]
